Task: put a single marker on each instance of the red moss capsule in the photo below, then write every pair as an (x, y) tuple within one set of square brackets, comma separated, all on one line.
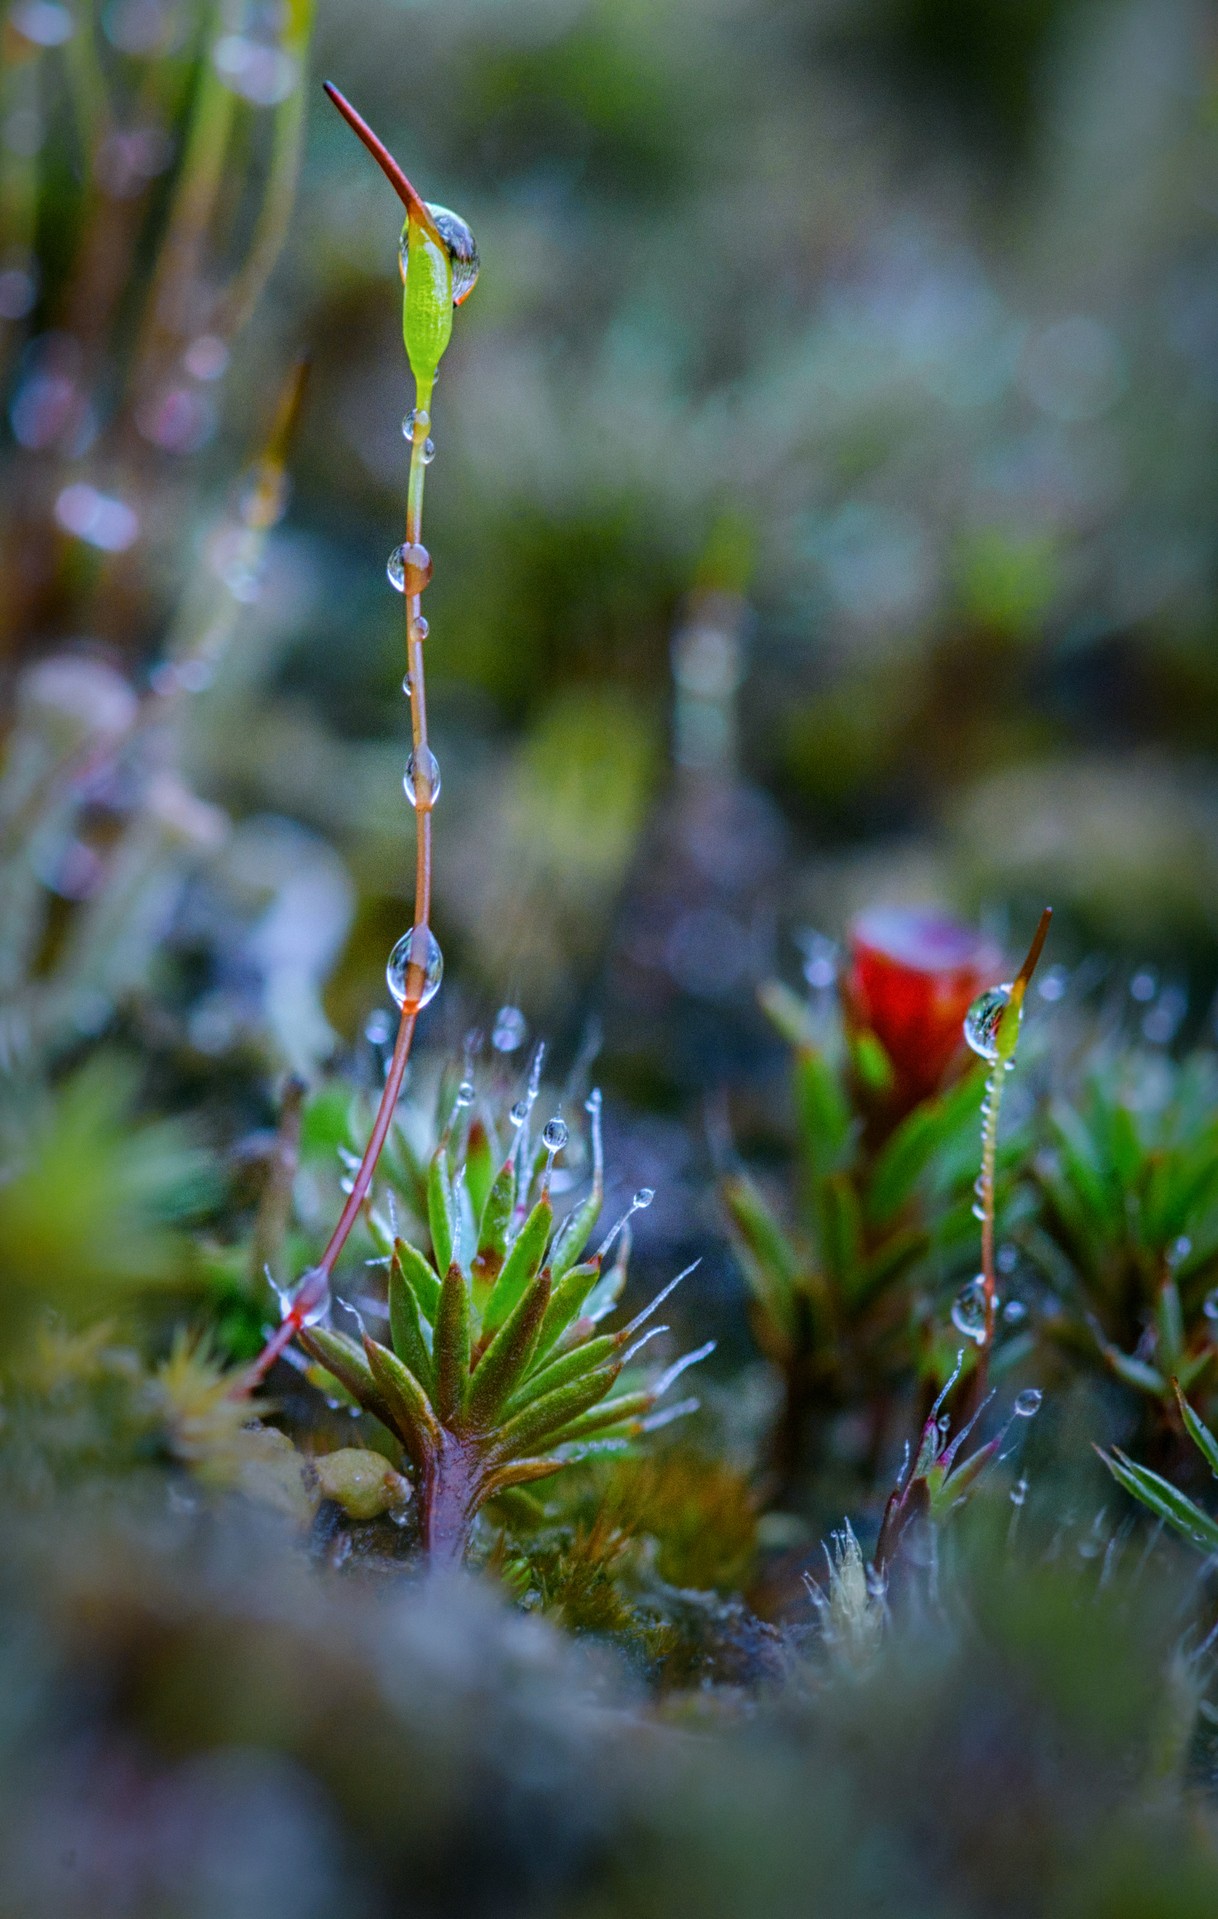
[(913, 975)]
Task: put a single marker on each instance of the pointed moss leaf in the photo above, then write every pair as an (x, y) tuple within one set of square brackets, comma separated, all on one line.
[(427, 307), (522, 1264), (1164, 1500), (519, 1473), (530, 1427), (561, 1371), (503, 1363), (342, 1357), (413, 1419), (823, 1113), (1135, 1372), (567, 1298), (949, 1491), (841, 1232), (911, 1148), (441, 1209), (406, 1326), (601, 1419), (421, 1277), (479, 1166), (572, 1236), (769, 1260), (1200, 1434), (451, 1346), (496, 1222), (1170, 1319)]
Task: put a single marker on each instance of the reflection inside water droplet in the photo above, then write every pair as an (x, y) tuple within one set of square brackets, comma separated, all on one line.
[(982, 1020), (510, 1030), (399, 969), (968, 1310), (408, 568), (421, 780), (462, 250)]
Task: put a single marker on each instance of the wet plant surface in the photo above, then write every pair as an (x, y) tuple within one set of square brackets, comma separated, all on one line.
[(604, 1313)]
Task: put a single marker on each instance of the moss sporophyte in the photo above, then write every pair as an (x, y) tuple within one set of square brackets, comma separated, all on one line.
[(495, 1372)]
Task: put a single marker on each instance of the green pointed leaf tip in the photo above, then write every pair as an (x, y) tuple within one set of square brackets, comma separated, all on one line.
[(1200, 1434), (507, 1356), (522, 1264), (1164, 1500), (451, 1346), (441, 1209)]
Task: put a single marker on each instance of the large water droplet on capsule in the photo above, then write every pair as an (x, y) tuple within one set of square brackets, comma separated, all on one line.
[(982, 1020), (554, 1134), (421, 780), (461, 249), (968, 1311), (430, 958), (510, 1030), (1027, 1403), (409, 568)]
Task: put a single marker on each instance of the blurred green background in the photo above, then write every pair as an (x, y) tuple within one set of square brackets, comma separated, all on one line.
[(824, 507), (896, 323)]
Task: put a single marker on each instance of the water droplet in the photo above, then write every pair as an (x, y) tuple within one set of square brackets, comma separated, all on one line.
[(465, 1093), (554, 1134), (44, 22), (1027, 1403), (968, 1311), (1143, 986), (418, 420), (820, 961), (510, 1030), (398, 970), (1179, 1251), (378, 1028), (982, 1020), (643, 1198), (206, 358), (97, 518), (427, 452), (407, 688), (1014, 1312), (409, 568), (263, 75), (462, 251), (420, 627), (421, 780), (1209, 1306), (519, 1112), (1019, 1492), (1007, 1258)]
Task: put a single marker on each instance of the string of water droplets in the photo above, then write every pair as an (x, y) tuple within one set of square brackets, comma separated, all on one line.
[(416, 965), (989, 1034)]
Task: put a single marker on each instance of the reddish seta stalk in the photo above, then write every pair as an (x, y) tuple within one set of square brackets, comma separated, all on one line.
[(312, 1295)]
